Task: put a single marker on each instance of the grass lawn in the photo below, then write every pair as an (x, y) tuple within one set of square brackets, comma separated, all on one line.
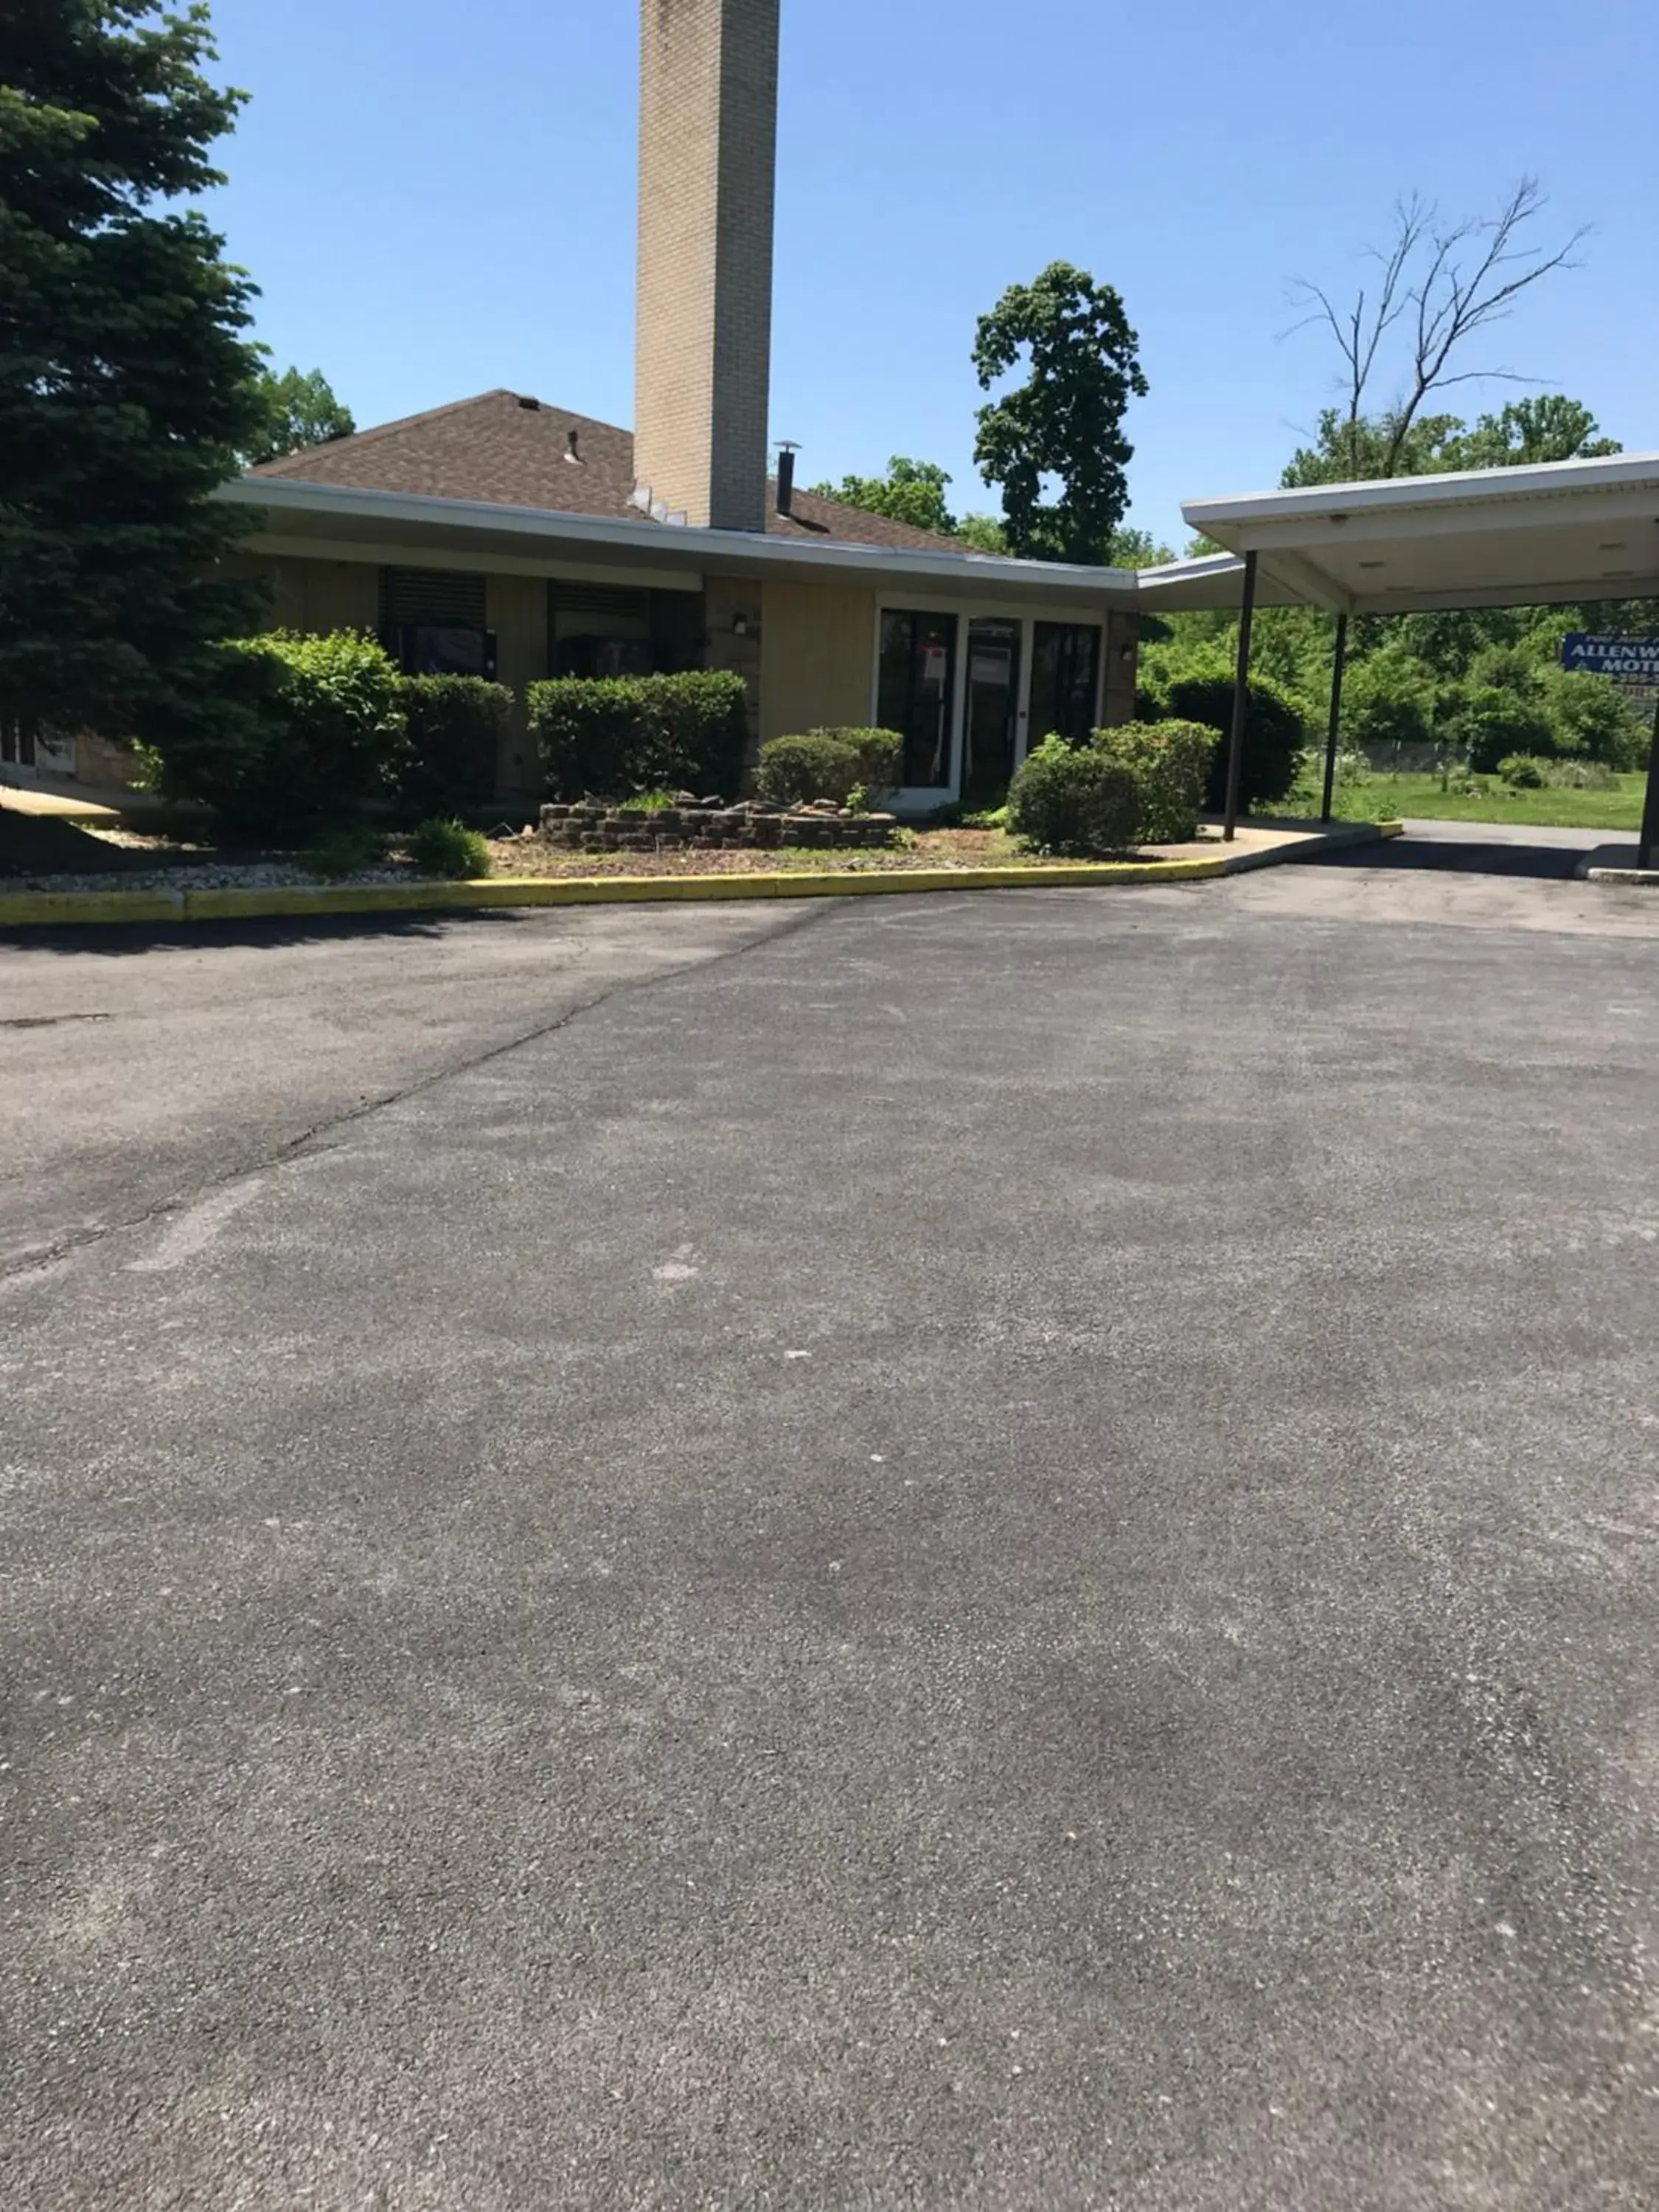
[(1377, 797)]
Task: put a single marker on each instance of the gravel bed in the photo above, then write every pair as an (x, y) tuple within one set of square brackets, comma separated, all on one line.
[(210, 876)]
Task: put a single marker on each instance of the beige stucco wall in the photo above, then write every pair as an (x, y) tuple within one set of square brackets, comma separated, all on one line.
[(315, 595), (734, 610), (1118, 698), (818, 658), (515, 608)]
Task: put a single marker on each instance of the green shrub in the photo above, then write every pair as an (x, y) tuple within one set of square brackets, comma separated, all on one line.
[(345, 851), (880, 754), (1590, 716), (1388, 700), (1489, 724), (614, 735), (1523, 771), (840, 764), (451, 850), (1170, 762), (1274, 735), (446, 758), (820, 765), (1074, 800), (588, 730), (304, 732), (1580, 776), (647, 802)]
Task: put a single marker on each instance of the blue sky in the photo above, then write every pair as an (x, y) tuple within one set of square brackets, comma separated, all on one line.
[(437, 199)]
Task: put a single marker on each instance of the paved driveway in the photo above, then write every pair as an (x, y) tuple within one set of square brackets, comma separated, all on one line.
[(983, 1551)]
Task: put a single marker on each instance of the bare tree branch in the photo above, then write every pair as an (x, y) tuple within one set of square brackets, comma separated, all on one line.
[(1451, 306), (1445, 281)]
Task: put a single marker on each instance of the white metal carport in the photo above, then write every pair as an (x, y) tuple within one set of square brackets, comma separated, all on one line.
[(1555, 533)]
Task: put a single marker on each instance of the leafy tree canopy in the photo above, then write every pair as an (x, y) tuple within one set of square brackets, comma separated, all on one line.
[(301, 410), (914, 492), (1550, 427), (1055, 443), (127, 388), (1135, 548), (911, 491)]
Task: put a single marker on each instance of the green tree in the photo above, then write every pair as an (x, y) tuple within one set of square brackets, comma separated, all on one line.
[(1065, 423), (1550, 427), (911, 491), (301, 410), (982, 533), (1350, 448), (1135, 548), (126, 387), (914, 492)]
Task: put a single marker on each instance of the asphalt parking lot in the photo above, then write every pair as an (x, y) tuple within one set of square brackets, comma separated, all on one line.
[(986, 1550)]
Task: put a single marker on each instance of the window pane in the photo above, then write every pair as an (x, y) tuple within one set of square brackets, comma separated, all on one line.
[(914, 688), (1065, 680)]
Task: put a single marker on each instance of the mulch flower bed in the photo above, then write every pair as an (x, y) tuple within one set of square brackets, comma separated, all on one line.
[(127, 859)]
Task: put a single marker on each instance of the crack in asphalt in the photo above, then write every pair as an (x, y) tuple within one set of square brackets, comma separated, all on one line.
[(64, 1248)]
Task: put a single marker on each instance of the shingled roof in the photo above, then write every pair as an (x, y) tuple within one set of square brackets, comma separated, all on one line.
[(513, 451)]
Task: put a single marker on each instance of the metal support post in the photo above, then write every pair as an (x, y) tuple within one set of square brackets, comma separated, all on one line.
[(1240, 699), (1651, 804), (1338, 659)]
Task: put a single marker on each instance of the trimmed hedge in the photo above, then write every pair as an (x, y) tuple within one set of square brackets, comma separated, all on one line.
[(1274, 735), (310, 741), (1075, 800), (1170, 762), (612, 736), (446, 759), (1133, 783), (829, 764)]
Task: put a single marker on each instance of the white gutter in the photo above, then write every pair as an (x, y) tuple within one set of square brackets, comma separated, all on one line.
[(657, 541)]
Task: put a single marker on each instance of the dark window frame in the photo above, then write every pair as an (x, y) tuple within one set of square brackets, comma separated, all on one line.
[(907, 719)]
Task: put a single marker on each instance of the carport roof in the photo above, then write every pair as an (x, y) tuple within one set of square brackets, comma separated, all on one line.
[(1552, 532)]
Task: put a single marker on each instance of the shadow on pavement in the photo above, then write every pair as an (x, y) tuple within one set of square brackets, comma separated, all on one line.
[(1472, 856), (269, 934)]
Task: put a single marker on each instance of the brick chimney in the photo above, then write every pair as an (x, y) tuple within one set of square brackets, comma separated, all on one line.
[(708, 79)]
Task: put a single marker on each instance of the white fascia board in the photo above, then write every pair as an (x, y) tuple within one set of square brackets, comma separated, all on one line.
[(1458, 487), (660, 542)]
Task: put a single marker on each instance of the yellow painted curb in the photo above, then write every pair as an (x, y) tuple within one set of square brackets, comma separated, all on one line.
[(277, 902), (48, 908)]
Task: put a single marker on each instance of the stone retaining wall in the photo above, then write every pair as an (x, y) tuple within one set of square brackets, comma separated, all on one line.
[(592, 826)]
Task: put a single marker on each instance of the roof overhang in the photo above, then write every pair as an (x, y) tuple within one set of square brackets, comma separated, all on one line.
[(1558, 531), (346, 523), (1209, 580)]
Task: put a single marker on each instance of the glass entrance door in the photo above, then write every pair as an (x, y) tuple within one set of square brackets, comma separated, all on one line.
[(1065, 681), (992, 705), (915, 692)]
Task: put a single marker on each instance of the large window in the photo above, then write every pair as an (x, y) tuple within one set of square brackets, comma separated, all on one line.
[(1065, 680), (914, 691), (432, 621)]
